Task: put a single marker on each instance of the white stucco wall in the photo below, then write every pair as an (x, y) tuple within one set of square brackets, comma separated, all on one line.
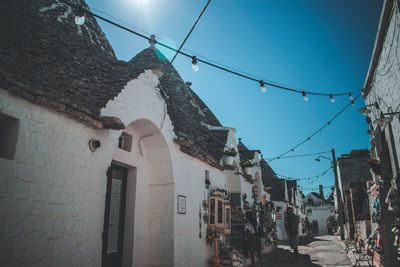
[(386, 81), (52, 193), (320, 214), (280, 223)]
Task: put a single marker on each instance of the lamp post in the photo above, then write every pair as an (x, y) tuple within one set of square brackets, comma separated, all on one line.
[(338, 192)]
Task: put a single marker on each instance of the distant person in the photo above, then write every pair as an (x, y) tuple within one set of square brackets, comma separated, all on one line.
[(292, 229), (254, 233)]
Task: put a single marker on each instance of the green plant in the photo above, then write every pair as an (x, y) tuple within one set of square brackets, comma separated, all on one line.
[(248, 163), (230, 151)]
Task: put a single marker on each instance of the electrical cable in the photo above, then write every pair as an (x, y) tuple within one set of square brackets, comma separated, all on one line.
[(306, 178), (187, 36), (303, 155), (224, 69), (303, 92), (317, 131), (316, 188)]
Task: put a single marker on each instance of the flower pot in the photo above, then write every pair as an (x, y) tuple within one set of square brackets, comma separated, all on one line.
[(228, 161), (248, 170)]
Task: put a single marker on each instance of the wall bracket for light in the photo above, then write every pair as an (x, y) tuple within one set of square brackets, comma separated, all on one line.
[(365, 110)]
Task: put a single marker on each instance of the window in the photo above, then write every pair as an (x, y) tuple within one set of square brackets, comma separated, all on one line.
[(9, 127), (125, 142)]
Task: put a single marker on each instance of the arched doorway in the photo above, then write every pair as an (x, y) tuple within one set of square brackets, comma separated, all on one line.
[(331, 224), (148, 205)]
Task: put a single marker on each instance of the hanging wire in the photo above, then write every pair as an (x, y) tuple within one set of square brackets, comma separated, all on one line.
[(227, 70), (316, 188), (317, 131), (187, 36), (306, 178), (201, 60), (303, 155)]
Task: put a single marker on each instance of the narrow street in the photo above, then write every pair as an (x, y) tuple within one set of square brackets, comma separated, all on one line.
[(313, 251)]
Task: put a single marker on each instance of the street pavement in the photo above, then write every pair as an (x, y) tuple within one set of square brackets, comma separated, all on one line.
[(317, 251)]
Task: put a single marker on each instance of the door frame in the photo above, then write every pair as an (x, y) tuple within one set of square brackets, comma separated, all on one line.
[(105, 257)]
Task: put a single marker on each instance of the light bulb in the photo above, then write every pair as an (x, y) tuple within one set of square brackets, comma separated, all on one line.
[(79, 20), (351, 97), (305, 97), (332, 99), (329, 123), (262, 86), (352, 103), (195, 67)]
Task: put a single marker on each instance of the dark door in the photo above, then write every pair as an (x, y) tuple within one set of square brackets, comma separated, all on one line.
[(114, 217)]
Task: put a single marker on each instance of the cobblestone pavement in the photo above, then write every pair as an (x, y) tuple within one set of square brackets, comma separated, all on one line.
[(318, 251)]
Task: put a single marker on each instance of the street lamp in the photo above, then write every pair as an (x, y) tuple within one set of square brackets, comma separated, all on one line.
[(320, 156)]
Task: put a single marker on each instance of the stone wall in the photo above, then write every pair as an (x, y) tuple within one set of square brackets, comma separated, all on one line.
[(385, 85), (52, 192)]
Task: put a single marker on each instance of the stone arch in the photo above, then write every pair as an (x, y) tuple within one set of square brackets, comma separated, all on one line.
[(152, 211)]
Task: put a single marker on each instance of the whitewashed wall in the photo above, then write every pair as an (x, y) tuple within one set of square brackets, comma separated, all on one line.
[(321, 214), (385, 87), (52, 194)]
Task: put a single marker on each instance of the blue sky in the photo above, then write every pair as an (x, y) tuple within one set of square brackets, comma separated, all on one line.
[(315, 45)]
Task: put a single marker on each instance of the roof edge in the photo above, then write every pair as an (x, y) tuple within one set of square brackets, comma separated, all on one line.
[(383, 27)]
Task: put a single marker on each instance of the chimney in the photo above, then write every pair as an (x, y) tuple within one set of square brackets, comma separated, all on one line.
[(321, 191)]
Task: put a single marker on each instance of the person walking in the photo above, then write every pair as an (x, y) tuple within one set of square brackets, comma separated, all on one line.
[(254, 233), (292, 229)]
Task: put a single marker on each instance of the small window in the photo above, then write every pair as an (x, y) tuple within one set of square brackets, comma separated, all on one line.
[(9, 127), (125, 142)]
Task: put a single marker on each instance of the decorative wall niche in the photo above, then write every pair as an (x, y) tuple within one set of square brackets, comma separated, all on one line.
[(125, 142), (9, 127)]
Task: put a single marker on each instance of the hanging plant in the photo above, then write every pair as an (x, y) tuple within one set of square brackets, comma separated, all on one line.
[(248, 163), (230, 151)]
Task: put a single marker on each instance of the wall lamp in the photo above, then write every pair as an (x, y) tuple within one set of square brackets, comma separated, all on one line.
[(365, 110), (382, 121)]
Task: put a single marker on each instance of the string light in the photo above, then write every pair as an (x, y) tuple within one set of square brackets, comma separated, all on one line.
[(306, 178), (195, 67), (329, 124), (79, 20), (352, 103), (332, 99), (262, 86), (317, 131), (305, 97), (351, 97)]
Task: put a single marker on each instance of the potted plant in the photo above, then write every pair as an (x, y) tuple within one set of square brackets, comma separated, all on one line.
[(248, 165), (230, 154)]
